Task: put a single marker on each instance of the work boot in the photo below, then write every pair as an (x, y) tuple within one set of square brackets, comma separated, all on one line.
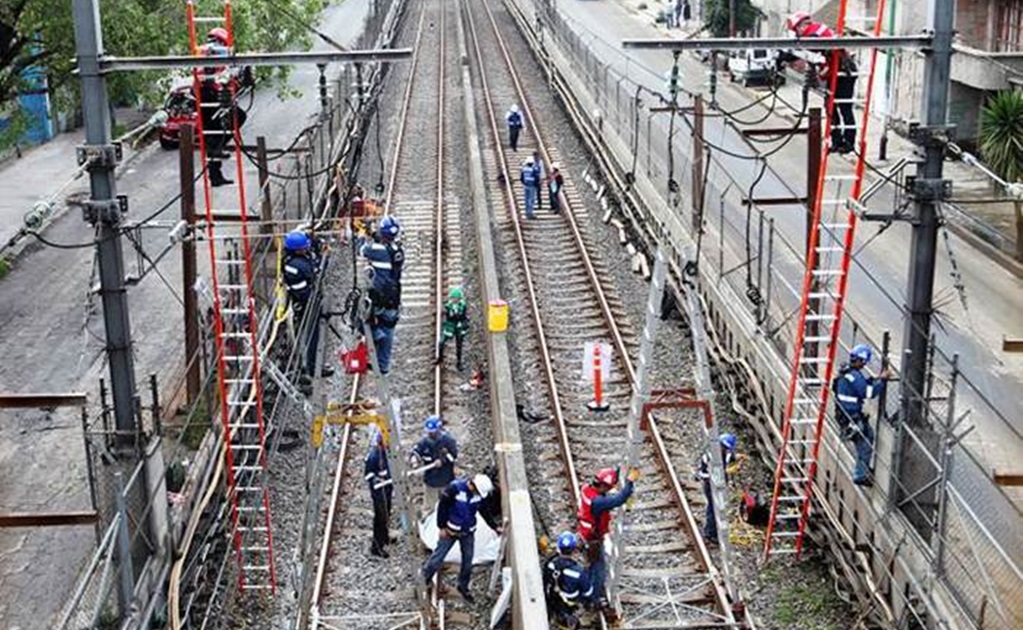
[(217, 175), (379, 552), (466, 595)]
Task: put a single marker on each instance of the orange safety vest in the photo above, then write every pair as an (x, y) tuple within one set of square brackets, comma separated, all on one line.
[(592, 529)]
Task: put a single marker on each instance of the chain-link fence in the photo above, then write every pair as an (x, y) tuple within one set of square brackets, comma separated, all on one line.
[(968, 526)]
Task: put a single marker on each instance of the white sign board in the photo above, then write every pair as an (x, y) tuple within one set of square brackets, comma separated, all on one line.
[(589, 350)]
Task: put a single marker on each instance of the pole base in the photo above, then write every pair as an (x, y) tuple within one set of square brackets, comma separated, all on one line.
[(596, 407)]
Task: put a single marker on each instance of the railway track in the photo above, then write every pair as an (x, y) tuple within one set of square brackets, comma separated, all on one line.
[(354, 589), (666, 580)]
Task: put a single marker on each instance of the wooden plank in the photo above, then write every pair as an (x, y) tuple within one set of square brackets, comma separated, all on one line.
[(1008, 479), (1010, 344), (38, 400), (668, 547), (48, 519), (655, 526), (685, 571)]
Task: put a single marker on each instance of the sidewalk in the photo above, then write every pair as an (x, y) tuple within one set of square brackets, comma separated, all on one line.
[(40, 172)]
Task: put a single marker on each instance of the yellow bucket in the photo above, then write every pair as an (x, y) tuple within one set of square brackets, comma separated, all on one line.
[(497, 316)]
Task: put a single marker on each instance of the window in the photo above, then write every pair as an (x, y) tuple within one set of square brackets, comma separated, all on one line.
[(1009, 30)]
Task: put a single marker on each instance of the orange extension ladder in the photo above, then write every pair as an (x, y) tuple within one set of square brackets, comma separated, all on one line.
[(236, 330), (823, 297)]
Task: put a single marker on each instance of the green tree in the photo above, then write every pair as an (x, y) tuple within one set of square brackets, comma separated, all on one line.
[(1001, 145), (41, 32), (716, 16)]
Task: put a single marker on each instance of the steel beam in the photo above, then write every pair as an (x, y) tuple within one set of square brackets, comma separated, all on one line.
[(781, 43), (48, 519), (36, 400), (109, 64)]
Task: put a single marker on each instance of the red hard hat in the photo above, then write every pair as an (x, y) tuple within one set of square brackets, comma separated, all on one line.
[(218, 34), (796, 19), (607, 476)]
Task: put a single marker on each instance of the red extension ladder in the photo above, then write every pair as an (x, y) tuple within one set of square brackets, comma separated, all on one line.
[(236, 330), (823, 297)]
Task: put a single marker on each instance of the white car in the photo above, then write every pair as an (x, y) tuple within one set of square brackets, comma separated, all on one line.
[(752, 65)]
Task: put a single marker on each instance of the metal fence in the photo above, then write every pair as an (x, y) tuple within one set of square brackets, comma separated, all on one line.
[(969, 525)]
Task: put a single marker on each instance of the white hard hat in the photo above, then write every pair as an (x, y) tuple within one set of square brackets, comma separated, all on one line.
[(527, 161), (484, 486), (514, 108), (555, 166)]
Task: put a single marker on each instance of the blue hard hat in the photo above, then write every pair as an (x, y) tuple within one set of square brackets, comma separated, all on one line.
[(729, 441), (296, 241), (432, 424), (389, 227), (567, 542), (862, 352)]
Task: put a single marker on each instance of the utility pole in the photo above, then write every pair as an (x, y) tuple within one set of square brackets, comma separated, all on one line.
[(189, 267), (103, 210), (928, 188)]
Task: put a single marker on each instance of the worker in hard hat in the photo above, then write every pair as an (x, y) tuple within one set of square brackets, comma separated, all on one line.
[(456, 325), (456, 522), (728, 443), (567, 583), (378, 476), (594, 521), (840, 65), (437, 453), (852, 388), (299, 274)]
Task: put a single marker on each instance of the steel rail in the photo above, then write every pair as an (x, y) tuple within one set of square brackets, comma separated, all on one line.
[(689, 521), (438, 252), (509, 196), (616, 335)]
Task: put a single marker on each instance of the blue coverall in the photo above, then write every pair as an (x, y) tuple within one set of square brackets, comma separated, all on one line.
[(852, 388)]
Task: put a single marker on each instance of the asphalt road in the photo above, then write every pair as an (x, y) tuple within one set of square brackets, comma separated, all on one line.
[(994, 296), (51, 340)]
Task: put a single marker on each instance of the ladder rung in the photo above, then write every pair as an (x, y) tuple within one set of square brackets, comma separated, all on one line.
[(820, 318), (248, 489), (230, 261), (256, 567), (839, 178), (827, 272), (207, 20), (246, 447), (257, 528), (243, 508), (815, 339), (777, 534), (236, 335), (247, 468), (239, 381), (794, 479), (818, 295), (235, 311), (829, 249), (233, 287), (256, 587), (792, 498), (241, 403), (243, 425), (848, 100), (782, 550), (250, 548), (216, 132), (837, 226), (811, 381), (807, 360), (787, 516), (237, 357)]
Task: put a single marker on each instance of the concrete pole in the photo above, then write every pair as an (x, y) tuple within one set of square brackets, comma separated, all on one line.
[(102, 210), (929, 190), (193, 379)]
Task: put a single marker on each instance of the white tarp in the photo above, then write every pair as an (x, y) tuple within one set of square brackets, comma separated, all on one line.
[(488, 543)]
